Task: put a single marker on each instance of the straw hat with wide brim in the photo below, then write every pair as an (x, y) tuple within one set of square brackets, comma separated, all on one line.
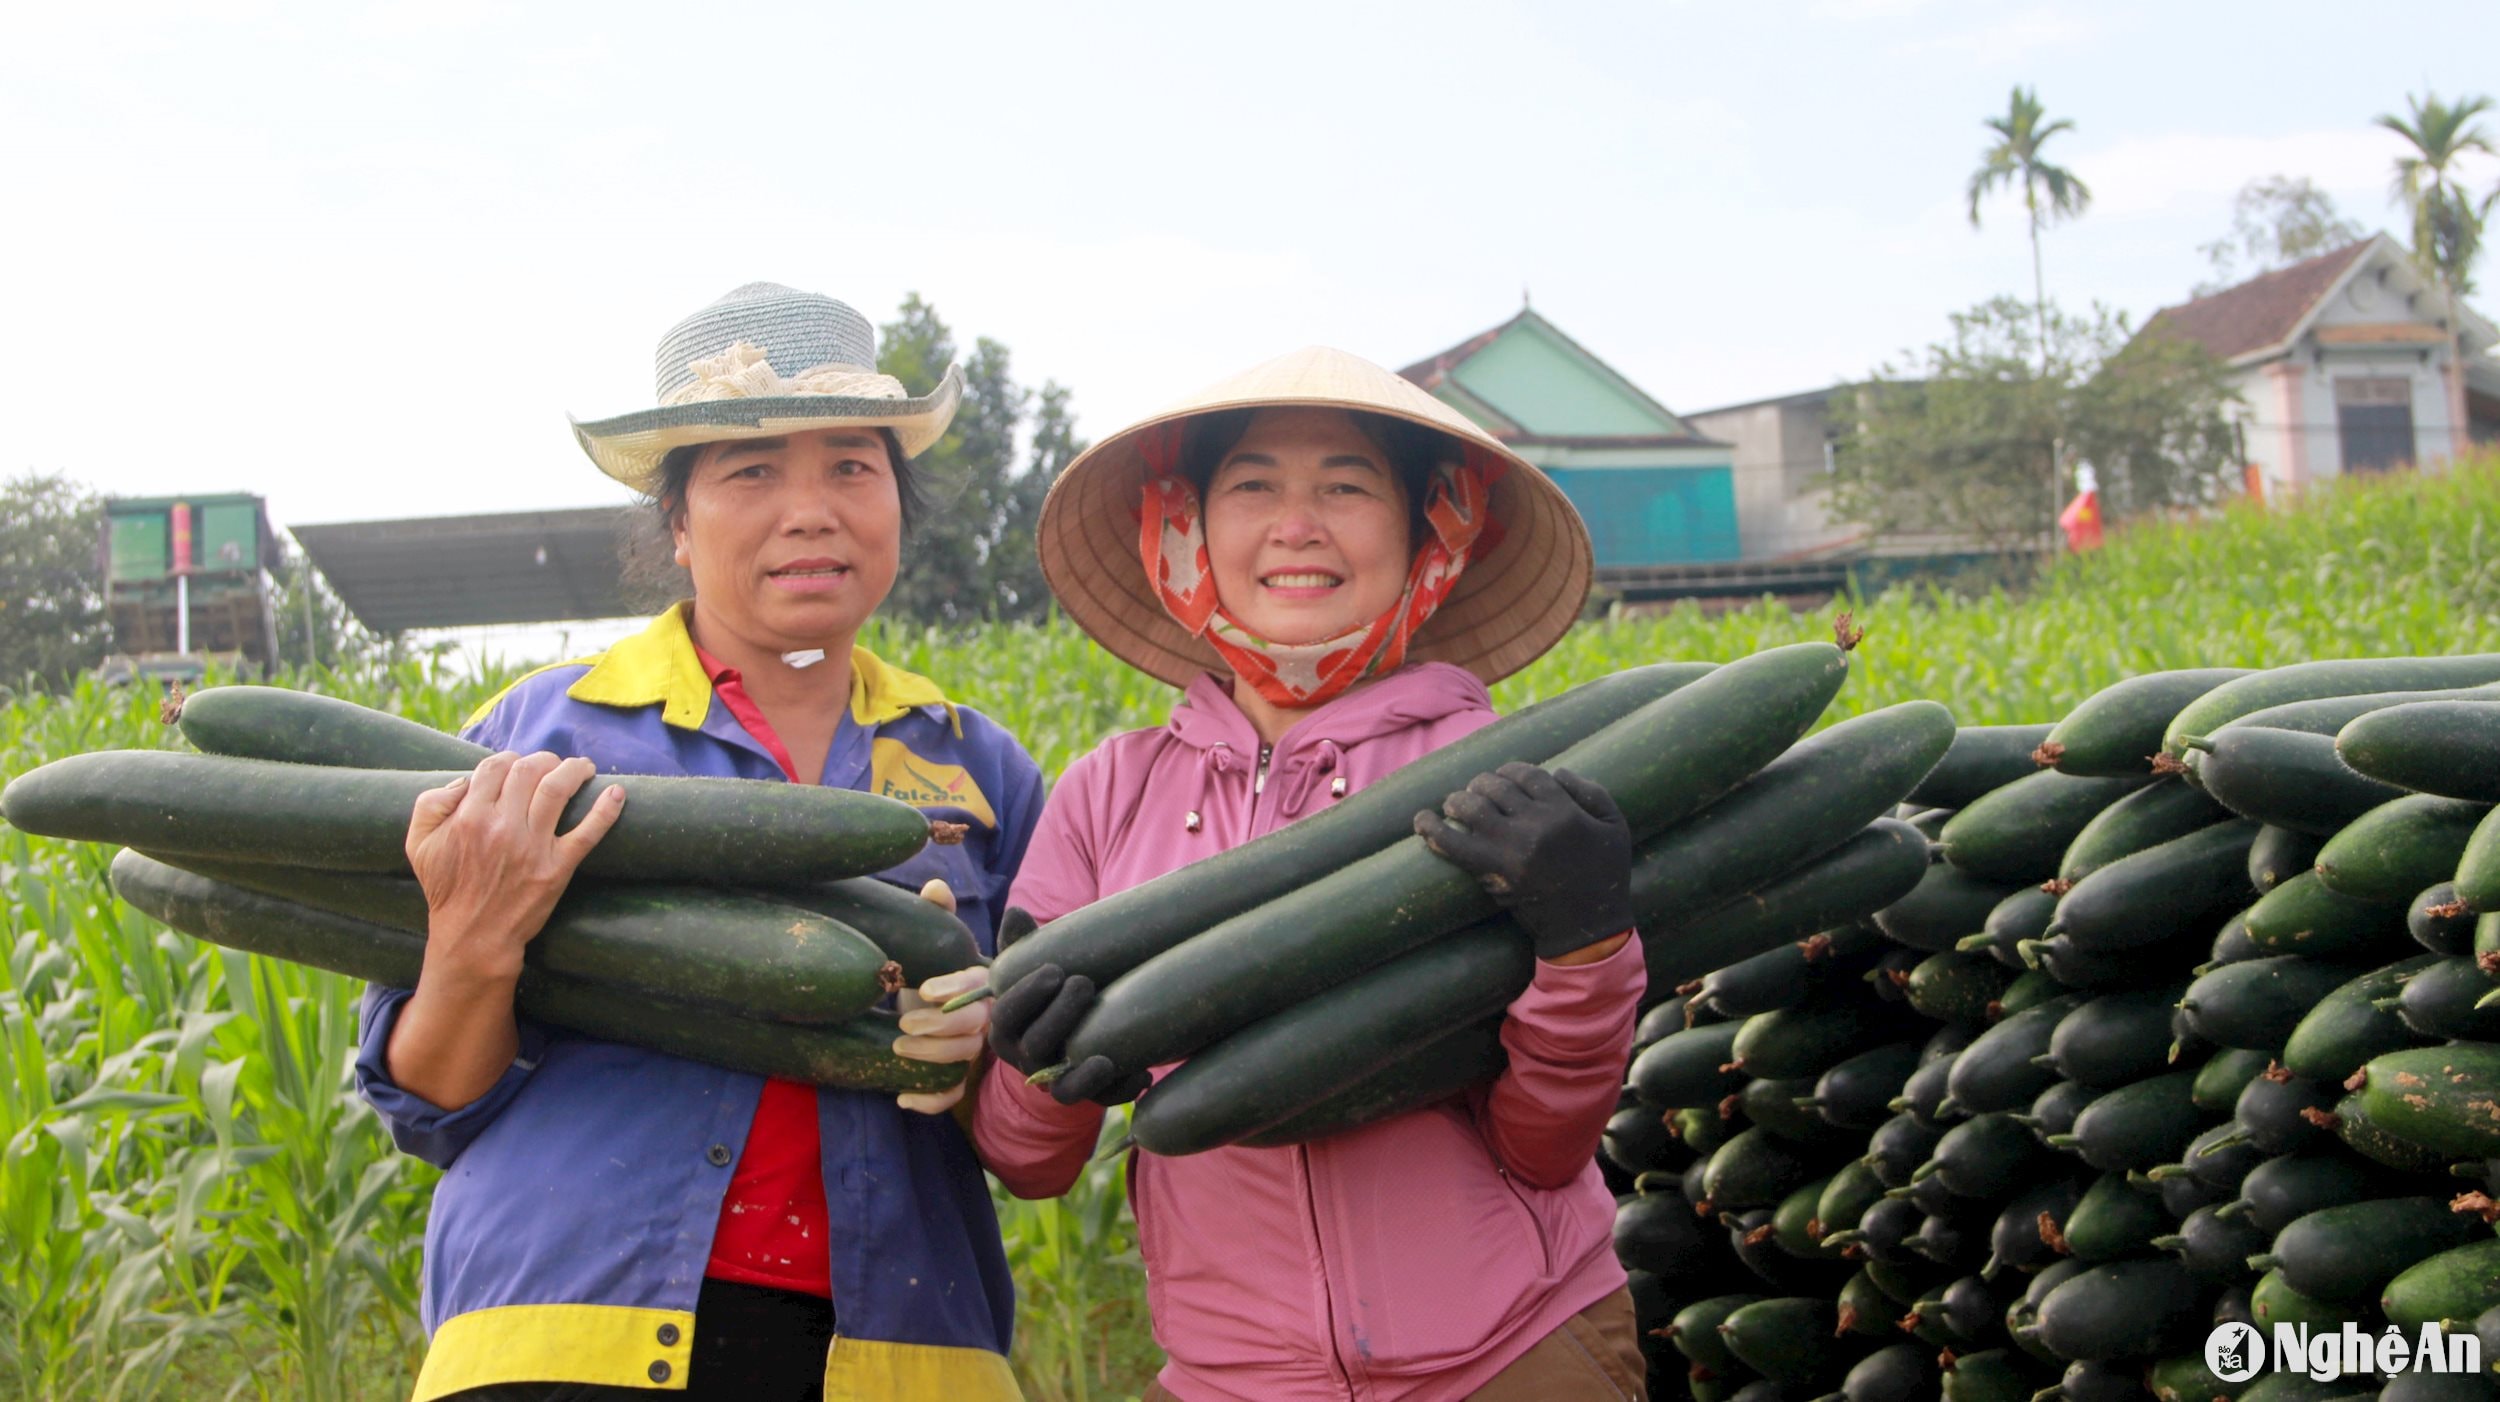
[(1508, 608), (762, 362)]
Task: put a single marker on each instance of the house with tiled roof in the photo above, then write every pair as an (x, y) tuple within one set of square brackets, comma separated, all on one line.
[(1653, 492), (2341, 362)]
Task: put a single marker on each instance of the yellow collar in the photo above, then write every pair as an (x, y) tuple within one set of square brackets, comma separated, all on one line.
[(658, 666)]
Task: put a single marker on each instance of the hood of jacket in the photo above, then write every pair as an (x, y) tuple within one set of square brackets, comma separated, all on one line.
[(1418, 695)]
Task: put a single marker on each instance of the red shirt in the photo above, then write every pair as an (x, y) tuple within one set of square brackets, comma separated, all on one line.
[(773, 1221)]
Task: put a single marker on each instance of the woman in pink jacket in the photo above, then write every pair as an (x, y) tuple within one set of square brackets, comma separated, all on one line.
[(1332, 564)]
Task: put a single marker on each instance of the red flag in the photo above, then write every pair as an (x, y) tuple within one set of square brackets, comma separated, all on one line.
[(2081, 521)]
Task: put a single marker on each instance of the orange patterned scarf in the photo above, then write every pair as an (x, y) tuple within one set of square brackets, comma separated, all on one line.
[(1172, 540)]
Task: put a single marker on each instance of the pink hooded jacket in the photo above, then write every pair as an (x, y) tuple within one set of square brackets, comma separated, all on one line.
[(1413, 1258)]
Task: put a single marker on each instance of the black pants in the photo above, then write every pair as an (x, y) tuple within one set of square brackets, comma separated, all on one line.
[(750, 1345)]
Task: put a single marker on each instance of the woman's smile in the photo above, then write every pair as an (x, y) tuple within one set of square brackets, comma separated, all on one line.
[(815, 575), (1301, 584)]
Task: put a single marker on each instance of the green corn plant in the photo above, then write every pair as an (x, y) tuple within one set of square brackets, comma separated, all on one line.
[(1078, 1278), (329, 1243)]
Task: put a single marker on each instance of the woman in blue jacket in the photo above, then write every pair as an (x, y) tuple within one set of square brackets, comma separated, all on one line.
[(613, 1222)]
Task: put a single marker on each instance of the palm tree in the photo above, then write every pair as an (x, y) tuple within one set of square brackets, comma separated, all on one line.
[(2015, 159), (2447, 222)]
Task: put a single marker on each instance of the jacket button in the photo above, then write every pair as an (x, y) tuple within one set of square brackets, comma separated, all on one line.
[(668, 1336), (718, 1154), (659, 1372)]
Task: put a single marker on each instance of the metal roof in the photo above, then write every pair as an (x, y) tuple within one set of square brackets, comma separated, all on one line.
[(454, 571), (1434, 373)]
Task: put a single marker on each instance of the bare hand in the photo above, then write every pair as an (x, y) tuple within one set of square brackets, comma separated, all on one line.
[(486, 851), (932, 1035)]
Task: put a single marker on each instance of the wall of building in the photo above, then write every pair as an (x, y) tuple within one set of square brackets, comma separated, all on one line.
[(2265, 434), (2290, 420), (2293, 432), (1781, 475), (1655, 515), (1551, 392), (1649, 506)]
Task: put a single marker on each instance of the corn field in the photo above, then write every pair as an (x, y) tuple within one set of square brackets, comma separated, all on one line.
[(193, 1203)]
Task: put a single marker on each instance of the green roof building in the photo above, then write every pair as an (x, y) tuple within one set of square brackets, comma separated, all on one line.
[(1653, 492)]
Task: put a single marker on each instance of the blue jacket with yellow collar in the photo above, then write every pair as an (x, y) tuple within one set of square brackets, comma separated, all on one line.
[(569, 1234)]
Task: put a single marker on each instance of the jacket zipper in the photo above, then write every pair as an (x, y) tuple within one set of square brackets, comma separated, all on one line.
[(1302, 1152), (1328, 1296)]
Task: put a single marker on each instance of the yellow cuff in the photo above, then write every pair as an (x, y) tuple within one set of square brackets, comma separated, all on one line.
[(610, 1345), (864, 1370)]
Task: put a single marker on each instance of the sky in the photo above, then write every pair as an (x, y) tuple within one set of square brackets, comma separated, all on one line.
[(364, 259)]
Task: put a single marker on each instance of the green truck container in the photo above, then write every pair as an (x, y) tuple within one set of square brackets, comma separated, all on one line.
[(184, 577)]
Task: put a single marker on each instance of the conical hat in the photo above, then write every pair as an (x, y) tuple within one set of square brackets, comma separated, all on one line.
[(1508, 608)]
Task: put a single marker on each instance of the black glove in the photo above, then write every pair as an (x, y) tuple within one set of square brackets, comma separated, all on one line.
[(1032, 1021), (1030, 1024), (1551, 848), (1015, 924), (1097, 1080)]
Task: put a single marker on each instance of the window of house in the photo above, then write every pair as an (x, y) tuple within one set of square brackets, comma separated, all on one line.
[(2374, 423)]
